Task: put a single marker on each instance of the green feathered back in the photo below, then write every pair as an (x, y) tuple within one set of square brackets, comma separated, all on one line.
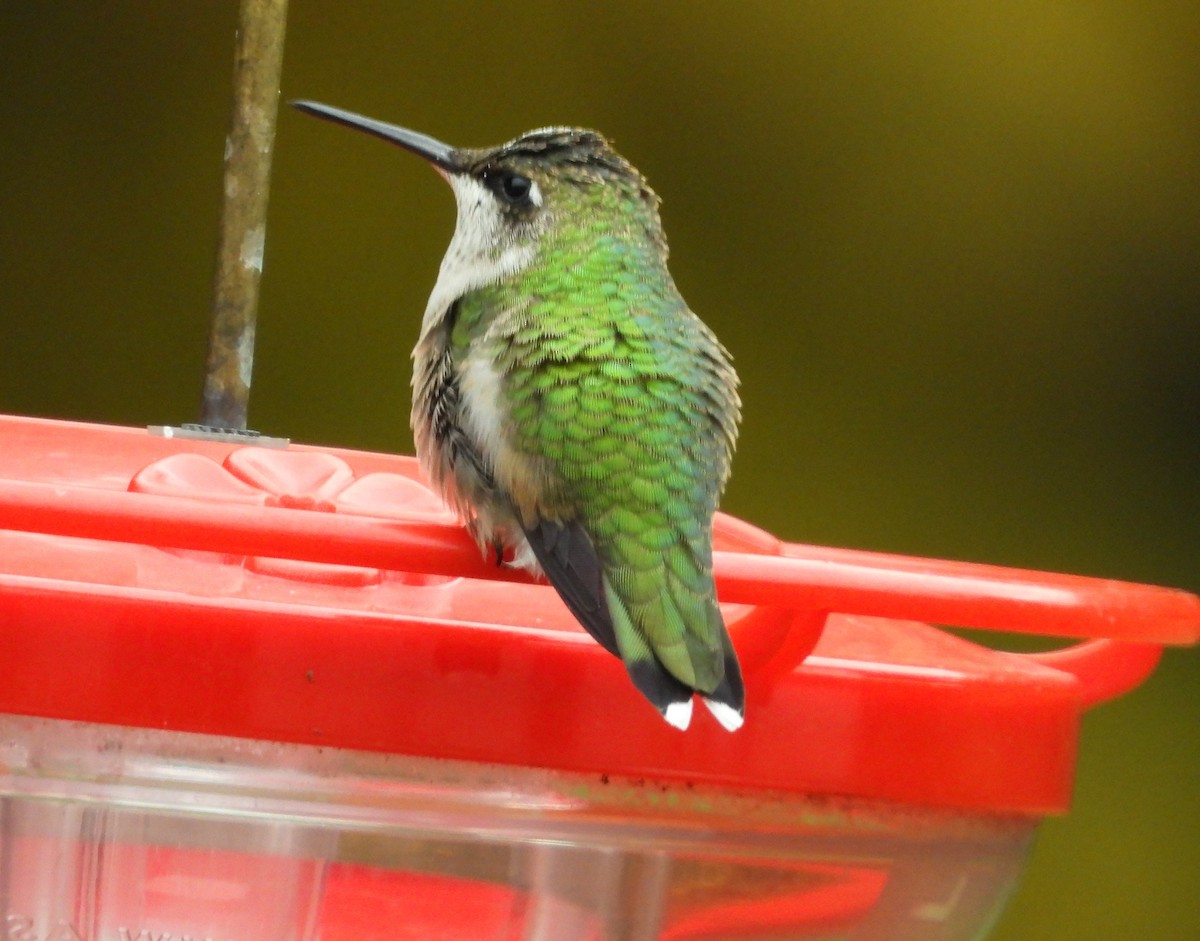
[(630, 402)]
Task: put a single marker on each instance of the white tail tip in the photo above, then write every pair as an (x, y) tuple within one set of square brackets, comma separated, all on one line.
[(729, 717), (679, 714)]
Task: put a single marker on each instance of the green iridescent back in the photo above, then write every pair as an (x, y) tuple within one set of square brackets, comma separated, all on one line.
[(630, 401)]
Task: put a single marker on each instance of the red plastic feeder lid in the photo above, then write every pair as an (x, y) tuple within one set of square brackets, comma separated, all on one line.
[(326, 597)]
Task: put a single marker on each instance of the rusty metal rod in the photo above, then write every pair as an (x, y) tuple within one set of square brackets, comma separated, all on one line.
[(256, 71)]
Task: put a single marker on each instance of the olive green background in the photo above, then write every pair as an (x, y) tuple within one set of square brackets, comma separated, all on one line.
[(954, 248)]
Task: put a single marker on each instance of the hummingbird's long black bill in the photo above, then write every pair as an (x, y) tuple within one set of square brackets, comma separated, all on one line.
[(433, 150)]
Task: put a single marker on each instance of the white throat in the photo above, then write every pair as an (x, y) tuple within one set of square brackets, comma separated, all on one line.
[(484, 249)]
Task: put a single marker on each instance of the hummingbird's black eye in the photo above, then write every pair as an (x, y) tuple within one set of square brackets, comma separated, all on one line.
[(514, 186), (509, 186)]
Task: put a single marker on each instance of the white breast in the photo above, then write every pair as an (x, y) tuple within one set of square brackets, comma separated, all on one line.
[(484, 249)]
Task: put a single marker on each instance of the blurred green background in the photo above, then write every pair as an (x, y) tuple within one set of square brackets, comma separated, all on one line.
[(955, 250)]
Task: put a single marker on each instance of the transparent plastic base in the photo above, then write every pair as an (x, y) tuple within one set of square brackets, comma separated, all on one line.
[(137, 835)]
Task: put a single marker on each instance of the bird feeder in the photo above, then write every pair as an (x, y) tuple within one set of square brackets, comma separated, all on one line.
[(260, 693)]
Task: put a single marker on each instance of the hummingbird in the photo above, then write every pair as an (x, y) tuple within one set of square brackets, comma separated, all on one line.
[(569, 405)]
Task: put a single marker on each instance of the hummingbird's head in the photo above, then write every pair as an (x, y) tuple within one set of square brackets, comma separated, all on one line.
[(553, 183)]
